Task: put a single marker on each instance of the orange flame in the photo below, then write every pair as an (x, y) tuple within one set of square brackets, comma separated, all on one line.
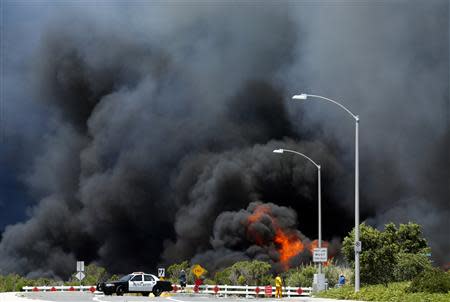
[(289, 245), (258, 214)]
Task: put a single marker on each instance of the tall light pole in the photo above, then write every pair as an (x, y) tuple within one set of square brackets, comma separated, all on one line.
[(357, 247), (319, 243)]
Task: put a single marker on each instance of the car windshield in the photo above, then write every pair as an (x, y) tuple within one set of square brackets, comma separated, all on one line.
[(125, 278)]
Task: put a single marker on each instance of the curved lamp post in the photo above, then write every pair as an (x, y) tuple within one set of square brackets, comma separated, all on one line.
[(319, 243), (305, 96)]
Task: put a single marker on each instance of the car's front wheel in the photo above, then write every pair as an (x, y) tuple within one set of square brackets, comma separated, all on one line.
[(120, 291), (157, 291)]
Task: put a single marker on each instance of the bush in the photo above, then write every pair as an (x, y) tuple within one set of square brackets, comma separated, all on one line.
[(393, 292), (244, 273), (410, 266), (431, 281), (383, 251), (173, 271), (301, 277), (332, 273)]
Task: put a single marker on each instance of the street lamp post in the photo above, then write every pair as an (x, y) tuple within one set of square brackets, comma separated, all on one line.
[(357, 247), (319, 243)]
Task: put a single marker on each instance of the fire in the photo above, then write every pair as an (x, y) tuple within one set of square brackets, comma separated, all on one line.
[(259, 212), (289, 246), (288, 243)]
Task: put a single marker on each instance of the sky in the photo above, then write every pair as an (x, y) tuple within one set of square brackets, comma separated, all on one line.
[(153, 123)]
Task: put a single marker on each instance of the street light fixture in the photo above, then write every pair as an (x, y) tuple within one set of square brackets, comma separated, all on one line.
[(319, 243), (357, 247)]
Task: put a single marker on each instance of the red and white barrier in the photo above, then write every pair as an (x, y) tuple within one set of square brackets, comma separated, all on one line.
[(62, 288), (221, 290)]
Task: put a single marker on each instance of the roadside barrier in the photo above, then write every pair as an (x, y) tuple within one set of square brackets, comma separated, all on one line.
[(219, 290), (62, 288), (246, 290)]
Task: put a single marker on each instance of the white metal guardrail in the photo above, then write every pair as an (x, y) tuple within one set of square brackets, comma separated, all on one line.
[(248, 291), (220, 290)]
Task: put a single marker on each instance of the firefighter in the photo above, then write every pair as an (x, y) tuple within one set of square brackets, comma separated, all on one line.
[(278, 286)]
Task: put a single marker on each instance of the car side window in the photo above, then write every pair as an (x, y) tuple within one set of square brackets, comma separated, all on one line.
[(148, 278), (137, 278)]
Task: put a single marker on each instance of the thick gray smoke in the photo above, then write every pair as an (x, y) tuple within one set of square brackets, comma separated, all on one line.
[(162, 118)]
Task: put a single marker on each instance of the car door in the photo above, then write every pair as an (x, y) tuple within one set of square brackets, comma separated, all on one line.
[(136, 284), (149, 282)]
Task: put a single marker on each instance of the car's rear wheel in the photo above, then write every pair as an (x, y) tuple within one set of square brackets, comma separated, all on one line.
[(157, 291), (120, 291)]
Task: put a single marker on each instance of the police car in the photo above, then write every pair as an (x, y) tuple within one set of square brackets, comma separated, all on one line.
[(138, 282)]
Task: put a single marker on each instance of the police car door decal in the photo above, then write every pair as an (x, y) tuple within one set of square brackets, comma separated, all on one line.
[(136, 284)]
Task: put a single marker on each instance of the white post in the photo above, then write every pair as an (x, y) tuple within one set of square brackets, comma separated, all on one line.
[(357, 280), (304, 96), (320, 215)]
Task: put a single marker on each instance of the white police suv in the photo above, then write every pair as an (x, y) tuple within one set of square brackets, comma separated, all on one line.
[(138, 282)]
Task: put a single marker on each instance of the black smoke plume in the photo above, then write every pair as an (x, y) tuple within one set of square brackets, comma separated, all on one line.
[(158, 123)]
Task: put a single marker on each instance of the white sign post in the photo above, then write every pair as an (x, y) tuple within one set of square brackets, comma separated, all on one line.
[(80, 266), (80, 272), (161, 272), (320, 255)]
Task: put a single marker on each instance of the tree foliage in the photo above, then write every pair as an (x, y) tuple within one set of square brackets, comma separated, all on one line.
[(244, 273), (173, 272), (431, 281), (385, 253)]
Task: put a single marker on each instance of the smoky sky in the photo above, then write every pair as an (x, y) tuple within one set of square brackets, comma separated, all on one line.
[(133, 133)]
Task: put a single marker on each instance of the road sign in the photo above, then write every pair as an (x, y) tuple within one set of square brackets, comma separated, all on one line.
[(80, 276), (80, 266), (161, 272), (358, 246), (320, 254), (197, 270)]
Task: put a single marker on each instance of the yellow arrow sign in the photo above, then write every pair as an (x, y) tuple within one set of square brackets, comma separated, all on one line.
[(197, 270)]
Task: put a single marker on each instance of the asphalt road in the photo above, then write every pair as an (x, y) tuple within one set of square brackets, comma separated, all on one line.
[(88, 297)]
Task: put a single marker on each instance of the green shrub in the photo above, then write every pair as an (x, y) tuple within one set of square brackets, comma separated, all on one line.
[(301, 277), (393, 292), (173, 272), (382, 251), (410, 266), (332, 273), (431, 281)]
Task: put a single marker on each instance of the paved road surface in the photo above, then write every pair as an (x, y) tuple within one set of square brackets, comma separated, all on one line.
[(87, 297)]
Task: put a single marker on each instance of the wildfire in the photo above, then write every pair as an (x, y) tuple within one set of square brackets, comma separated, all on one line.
[(289, 246), (259, 212), (288, 243)]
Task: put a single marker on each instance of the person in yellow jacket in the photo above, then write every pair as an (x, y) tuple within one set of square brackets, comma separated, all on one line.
[(278, 285)]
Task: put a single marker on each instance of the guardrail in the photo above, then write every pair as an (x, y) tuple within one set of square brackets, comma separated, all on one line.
[(246, 290), (60, 288), (219, 290)]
